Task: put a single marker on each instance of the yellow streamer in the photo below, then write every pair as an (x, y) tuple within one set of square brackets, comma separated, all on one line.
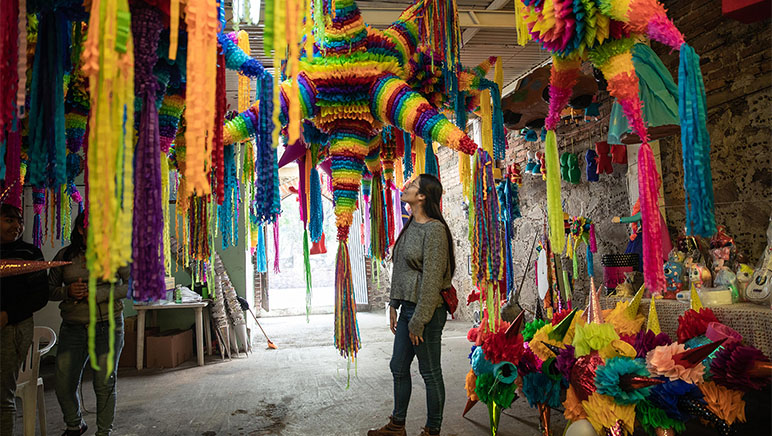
[(420, 156), (201, 20), (465, 175), (499, 74), (487, 121), (165, 206), (520, 24), (174, 28)]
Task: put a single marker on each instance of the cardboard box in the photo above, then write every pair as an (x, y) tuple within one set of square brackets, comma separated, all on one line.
[(128, 357), (169, 349)]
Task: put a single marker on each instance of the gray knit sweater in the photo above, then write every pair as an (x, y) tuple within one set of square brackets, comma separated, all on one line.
[(421, 271), (77, 312)]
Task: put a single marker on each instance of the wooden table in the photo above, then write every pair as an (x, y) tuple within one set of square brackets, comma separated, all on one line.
[(202, 317)]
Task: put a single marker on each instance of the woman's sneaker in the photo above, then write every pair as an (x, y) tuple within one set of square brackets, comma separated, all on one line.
[(78, 432)]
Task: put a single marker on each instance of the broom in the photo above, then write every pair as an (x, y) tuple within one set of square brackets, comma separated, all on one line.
[(245, 306)]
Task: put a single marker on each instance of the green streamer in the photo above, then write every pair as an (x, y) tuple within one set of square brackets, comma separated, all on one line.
[(554, 204), (111, 333), (307, 264), (92, 310)]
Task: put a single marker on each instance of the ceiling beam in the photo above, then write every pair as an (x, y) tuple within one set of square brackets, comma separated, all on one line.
[(467, 18), (470, 32)]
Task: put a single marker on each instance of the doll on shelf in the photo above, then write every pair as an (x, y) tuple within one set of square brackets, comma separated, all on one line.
[(636, 239)]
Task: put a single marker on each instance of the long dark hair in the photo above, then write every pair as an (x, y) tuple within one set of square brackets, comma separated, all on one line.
[(431, 187), (77, 243)]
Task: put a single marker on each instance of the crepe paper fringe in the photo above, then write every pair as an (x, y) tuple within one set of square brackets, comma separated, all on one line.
[(260, 257), (307, 273), (346, 329), (228, 216), (652, 417), (487, 245), (108, 61), (9, 68), (695, 140), (604, 412), (407, 157), (169, 115), (378, 221), (147, 235), (592, 337), (202, 24), (607, 379), (431, 166), (47, 149), (731, 364), (218, 166), (669, 396), (394, 102), (489, 390), (317, 212), (276, 258), (563, 77), (554, 202), (165, 191)]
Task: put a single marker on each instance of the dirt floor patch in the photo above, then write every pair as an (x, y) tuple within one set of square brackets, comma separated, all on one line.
[(269, 418)]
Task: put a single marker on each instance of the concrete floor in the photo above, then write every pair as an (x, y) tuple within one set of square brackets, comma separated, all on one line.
[(299, 389)]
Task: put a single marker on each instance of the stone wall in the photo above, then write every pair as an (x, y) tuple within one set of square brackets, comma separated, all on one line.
[(599, 201), (736, 67)]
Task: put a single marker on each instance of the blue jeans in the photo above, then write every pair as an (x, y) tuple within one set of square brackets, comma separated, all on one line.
[(428, 353), (71, 359)]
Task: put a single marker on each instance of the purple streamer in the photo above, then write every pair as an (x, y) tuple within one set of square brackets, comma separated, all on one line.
[(147, 268)]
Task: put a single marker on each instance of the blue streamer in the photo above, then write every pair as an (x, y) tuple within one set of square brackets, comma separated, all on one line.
[(261, 261), (695, 140), (431, 166), (407, 168), (228, 216), (316, 221)]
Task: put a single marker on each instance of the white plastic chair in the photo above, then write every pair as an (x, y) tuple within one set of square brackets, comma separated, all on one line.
[(29, 386)]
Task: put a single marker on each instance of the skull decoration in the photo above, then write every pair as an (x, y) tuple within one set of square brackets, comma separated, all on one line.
[(674, 276), (700, 276)]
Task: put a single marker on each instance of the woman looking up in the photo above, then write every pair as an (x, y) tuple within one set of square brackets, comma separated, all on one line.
[(424, 264)]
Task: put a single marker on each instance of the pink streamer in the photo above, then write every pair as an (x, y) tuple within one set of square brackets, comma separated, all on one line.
[(593, 243), (559, 97), (648, 188), (276, 248), (663, 30)]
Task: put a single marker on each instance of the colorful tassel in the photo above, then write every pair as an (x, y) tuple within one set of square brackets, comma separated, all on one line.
[(695, 140), (554, 202)]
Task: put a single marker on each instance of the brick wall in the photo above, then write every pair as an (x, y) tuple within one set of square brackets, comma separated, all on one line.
[(736, 65)]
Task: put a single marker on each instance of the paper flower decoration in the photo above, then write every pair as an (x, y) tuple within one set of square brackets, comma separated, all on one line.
[(727, 404), (694, 323), (611, 377), (604, 412), (668, 397), (732, 367), (573, 407), (593, 336), (646, 341), (660, 361), (538, 388)]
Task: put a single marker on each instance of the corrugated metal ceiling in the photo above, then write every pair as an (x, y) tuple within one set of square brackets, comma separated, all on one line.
[(516, 60)]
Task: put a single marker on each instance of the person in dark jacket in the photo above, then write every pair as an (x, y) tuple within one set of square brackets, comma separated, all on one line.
[(20, 296)]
